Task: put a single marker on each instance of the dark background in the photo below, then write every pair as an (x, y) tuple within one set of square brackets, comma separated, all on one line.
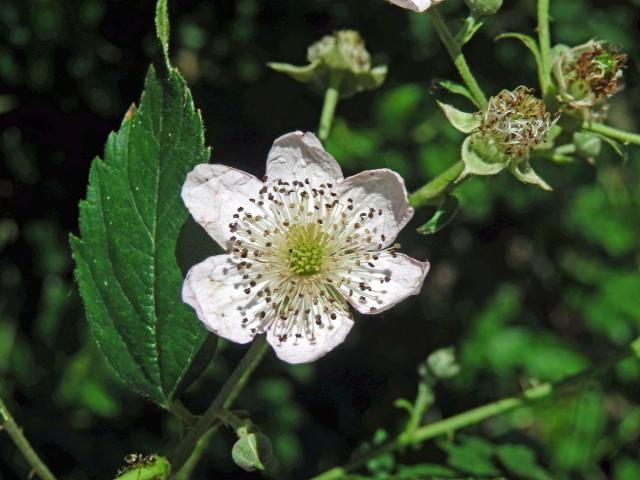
[(527, 285)]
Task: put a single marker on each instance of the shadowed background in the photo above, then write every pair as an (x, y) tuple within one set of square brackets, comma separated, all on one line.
[(527, 285)]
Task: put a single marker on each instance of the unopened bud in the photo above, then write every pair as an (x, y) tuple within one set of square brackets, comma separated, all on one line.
[(483, 8)]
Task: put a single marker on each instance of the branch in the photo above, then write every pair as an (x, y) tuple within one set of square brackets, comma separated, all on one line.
[(611, 132), (15, 432), (227, 395)]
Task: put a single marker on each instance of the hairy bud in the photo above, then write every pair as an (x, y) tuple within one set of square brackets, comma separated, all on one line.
[(483, 8)]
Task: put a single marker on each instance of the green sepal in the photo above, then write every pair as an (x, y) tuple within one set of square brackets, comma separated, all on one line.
[(457, 89), (445, 212), (477, 163), (523, 172), (463, 121)]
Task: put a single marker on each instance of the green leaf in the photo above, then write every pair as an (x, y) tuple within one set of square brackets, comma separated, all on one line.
[(458, 89), (125, 259), (463, 121), (472, 455), (521, 461), (252, 452), (446, 211), (162, 26)]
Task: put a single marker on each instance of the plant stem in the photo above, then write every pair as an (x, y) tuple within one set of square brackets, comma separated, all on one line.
[(611, 132), (456, 55), (331, 97), (227, 395), (189, 466), (432, 191), (473, 416), (15, 432), (544, 39)]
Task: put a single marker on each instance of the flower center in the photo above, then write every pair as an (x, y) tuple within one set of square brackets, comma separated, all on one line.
[(306, 251)]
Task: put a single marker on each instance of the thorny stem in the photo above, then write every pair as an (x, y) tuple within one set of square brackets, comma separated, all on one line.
[(474, 416), (432, 191), (227, 395), (331, 97), (453, 47), (15, 432), (611, 132)]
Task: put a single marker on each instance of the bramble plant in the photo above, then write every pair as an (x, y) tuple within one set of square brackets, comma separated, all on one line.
[(309, 254)]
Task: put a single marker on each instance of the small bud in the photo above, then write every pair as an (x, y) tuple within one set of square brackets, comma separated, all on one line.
[(341, 55), (588, 75), (483, 8), (252, 451)]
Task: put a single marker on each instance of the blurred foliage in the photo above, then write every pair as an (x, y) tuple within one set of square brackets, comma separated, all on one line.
[(529, 286)]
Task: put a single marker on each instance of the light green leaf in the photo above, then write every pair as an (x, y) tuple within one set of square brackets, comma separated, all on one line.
[(476, 165), (458, 89), (162, 26), (125, 259), (252, 451), (473, 456), (446, 211), (463, 121)]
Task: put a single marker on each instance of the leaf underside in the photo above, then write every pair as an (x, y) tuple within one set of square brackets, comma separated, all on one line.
[(129, 224)]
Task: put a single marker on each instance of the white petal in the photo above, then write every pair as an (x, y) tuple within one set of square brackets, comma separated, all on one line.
[(406, 278), (415, 5), (216, 291), (213, 193), (302, 350), (298, 156), (383, 190)]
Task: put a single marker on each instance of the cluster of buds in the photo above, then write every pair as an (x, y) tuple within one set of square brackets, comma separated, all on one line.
[(588, 75), (339, 60)]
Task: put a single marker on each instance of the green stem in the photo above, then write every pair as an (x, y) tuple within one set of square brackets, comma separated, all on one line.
[(227, 395), (472, 417), (331, 97), (457, 56), (611, 132), (544, 39), (15, 432), (189, 466), (432, 191)]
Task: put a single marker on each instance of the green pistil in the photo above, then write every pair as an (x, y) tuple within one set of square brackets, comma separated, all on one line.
[(306, 254)]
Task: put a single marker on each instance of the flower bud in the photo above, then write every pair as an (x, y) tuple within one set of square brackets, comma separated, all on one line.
[(588, 75), (483, 8)]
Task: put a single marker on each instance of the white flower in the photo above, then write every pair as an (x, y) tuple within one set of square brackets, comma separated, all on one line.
[(416, 5), (301, 246)]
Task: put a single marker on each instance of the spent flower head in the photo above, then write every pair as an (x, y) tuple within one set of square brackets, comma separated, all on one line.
[(588, 75), (514, 122), (302, 246), (340, 60)]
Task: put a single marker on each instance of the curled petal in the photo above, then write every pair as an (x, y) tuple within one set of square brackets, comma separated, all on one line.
[(215, 290), (381, 192), (414, 5), (213, 193), (300, 156), (404, 277), (315, 343)]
